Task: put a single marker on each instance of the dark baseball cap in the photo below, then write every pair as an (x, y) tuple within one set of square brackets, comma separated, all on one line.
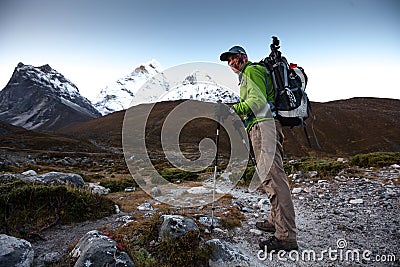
[(233, 51)]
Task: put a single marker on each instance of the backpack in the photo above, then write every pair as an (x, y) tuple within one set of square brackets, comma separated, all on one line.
[(291, 104)]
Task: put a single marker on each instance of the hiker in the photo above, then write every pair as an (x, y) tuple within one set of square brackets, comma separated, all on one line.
[(265, 135)]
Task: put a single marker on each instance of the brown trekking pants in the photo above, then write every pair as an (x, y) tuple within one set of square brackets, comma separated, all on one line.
[(267, 139)]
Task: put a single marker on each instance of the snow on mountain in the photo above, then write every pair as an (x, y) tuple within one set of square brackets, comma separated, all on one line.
[(42, 98), (200, 86), (118, 95), (148, 84)]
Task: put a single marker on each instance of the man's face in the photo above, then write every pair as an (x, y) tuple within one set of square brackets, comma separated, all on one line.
[(233, 62)]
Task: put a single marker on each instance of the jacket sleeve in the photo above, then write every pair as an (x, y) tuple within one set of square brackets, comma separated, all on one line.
[(252, 92)]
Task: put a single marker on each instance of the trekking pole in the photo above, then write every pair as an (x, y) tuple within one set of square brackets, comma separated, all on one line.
[(218, 117)]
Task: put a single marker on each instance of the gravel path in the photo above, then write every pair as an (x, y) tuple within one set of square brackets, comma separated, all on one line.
[(334, 219)]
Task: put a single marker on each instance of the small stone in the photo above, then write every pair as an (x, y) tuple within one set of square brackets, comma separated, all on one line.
[(307, 190), (29, 173), (337, 212), (95, 188), (130, 189), (256, 231), (117, 210), (262, 203), (145, 206), (356, 201), (297, 190)]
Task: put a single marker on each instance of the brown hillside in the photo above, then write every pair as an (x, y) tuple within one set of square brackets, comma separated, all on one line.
[(344, 128), (17, 138), (349, 127)]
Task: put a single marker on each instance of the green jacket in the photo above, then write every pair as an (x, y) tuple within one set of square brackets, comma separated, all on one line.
[(254, 80)]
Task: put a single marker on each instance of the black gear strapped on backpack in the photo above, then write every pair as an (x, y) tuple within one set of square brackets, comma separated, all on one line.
[(291, 104)]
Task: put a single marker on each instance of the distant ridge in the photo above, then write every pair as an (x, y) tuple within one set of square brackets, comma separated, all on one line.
[(343, 127)]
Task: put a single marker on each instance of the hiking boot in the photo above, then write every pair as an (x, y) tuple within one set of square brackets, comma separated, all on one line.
[(266, 226), (274, 243)]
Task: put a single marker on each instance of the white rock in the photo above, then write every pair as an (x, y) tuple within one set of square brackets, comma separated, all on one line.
[(307, 190), (130, 189), (203, 190), (312, 173), (145, 206), (356, 201), (262, 203), (256, 231), (29, 173), (117, 210), (297, 190), (95, 188)]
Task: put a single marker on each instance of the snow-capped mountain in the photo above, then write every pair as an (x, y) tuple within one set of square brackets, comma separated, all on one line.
[(118, 95), (148, 84), (42, 98), (200, 86)]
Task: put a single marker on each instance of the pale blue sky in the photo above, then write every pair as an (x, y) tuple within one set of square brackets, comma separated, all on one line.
[(348, 48)]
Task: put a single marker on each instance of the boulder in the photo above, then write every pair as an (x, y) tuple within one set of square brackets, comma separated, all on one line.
[(176, 226), (222, 254), (57, 177), (95, 188), (29, 173), (15, 251), (145, 207), (95, 249)]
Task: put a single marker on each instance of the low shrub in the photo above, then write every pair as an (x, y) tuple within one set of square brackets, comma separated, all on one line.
[(378, 159), (27, 208), (139, 240), (175, 174), (118, 185), (183, 251), (325, 168)]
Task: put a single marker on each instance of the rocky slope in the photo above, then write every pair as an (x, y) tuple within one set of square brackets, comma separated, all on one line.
[(43, 99)]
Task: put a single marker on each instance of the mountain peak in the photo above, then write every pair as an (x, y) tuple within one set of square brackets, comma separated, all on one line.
[(196, 86), (42, 98), (119, 94), (46, 68), (141, 69)]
